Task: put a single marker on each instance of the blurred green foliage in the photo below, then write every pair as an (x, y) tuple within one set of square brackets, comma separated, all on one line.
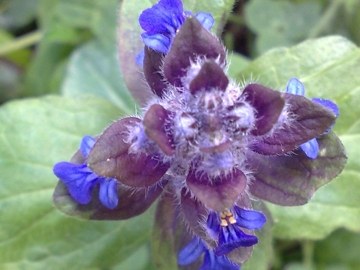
[(61, 56)]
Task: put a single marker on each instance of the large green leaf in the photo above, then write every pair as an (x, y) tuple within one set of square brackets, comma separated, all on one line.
[(94, 68), (98, 16), (340, 249), (280, 23), (66, 24), (139, 260), (41, 69), (17, 13), (35, 134), (329, 68), (130, 43)]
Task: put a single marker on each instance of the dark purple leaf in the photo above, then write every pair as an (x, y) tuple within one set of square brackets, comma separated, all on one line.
[(292, 179), (131, 203), (195, 215), (218, 193), (155, 124), (152, 71), (310, 121), (170, 233), (109, 157), (163, 242), (190, 42), (268, 105), (210, 76)]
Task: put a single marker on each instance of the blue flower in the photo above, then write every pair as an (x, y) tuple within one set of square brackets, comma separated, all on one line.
[(295, 87), (162, 21), (211, 261), (80, 180), (226, 228)]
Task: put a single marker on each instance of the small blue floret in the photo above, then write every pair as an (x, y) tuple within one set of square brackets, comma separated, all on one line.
[(195, 248), (295, 87), (191, 252), (214, 262), (162, 21), (80, 180), (230, 236), (249, 219), (311, 148)]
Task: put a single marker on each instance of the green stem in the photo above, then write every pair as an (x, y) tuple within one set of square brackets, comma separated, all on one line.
[(21, 42), (326, 19), (308, 254)]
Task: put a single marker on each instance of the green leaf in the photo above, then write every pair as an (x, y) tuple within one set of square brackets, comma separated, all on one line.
[(94, 69), (280, 23), (46, 11), (59, 32), (98, 16), (237, 62), (340, 248), (36, 133), (39, 76), (70, 23), (165, 232), (329, 69), (9, 81), (19, 57), (352, 11), (139, 260), (17, 13), (130, 43)]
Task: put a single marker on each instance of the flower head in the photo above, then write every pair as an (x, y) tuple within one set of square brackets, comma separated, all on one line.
[(211, 143)]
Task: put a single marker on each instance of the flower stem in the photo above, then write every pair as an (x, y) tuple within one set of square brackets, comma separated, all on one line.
[(308, 254), (21, 42), (326, 19)]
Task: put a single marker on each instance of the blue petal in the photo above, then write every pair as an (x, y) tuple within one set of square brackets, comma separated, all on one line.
[(188, 13), (311, 148), (164, 17), (249, 219), (295, 87), (87, 143), (329, 105), (79, 179), (140, 58), (213, 225), (108, 194), (206, 20), (213, 262), (191, 252), (231, 237), (157, 42)]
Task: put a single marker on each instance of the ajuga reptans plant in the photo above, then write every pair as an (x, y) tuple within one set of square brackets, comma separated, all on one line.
[(204, 147)]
